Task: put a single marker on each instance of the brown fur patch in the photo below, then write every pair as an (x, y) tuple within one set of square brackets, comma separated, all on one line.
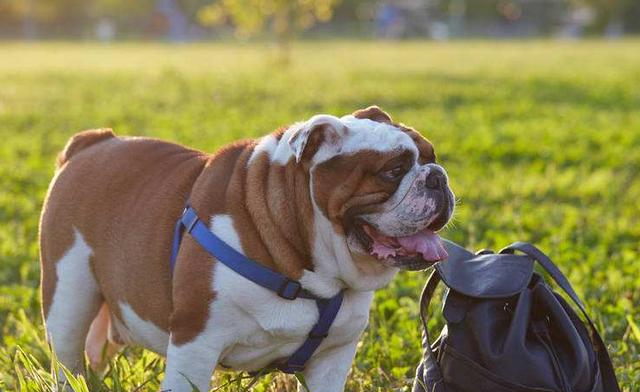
[(427, 152), (373, 113), (349, 184), (123, 198), (54, 245)]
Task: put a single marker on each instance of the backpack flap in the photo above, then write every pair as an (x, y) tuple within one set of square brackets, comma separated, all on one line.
[(486, 275)]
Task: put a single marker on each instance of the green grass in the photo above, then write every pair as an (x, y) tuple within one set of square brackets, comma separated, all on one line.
[(541, 140)]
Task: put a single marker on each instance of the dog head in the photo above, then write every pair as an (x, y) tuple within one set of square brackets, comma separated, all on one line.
[(377, 185)]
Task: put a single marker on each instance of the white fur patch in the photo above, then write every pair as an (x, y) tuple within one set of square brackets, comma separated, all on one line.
[(222, 226), (192, 362), (365, 134), (283, 152), (140, 331), (279, 151), (266, 145), (351, 135), (354, 134), (74, 304)]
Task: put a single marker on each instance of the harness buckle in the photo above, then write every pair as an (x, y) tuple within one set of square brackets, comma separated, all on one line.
[(192, 220), (290, 289)]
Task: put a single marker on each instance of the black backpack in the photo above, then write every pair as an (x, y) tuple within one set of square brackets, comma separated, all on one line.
[(507, 330)]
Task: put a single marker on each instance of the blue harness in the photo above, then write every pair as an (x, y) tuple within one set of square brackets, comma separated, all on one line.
[(285, 288)]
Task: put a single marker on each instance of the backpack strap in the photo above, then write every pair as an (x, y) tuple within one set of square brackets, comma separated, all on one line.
[(432, 375), (609, 380)]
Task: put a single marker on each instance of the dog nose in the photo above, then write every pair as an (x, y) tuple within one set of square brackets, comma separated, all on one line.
[(435, 179)]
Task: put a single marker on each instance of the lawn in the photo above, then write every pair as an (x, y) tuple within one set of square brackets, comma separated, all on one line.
[(541, 140)]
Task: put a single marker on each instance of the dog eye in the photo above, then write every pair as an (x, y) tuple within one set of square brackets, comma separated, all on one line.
[(392, 174)]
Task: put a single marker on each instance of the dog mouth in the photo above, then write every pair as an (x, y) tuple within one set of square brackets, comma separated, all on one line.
[(412, 252)]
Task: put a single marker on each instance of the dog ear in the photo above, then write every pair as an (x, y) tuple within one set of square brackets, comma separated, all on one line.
[(308, 136), (373, 113), (425, 148)]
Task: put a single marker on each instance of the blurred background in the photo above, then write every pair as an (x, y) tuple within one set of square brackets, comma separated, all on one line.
[(192, 20)]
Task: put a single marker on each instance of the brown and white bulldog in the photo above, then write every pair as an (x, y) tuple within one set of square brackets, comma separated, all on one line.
[(335, 203)]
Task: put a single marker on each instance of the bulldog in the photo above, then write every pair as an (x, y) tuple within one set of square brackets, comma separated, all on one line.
[(333, 203)]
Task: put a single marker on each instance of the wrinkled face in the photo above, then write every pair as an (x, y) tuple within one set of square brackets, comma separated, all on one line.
[(380, 187)]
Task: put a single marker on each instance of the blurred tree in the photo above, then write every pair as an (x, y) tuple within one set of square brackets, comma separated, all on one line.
[(120, 9), (283, 18), (128, 16), (55, 17), (610, 14)]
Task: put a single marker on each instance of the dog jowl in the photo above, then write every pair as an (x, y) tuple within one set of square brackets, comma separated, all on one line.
[(336, 203)]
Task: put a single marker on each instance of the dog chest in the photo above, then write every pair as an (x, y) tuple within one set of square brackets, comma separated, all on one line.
[(256, 327)]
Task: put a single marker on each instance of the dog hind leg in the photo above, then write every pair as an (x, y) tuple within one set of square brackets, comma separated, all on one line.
[(75, 303)]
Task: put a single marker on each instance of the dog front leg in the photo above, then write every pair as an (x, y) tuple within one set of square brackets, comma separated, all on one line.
[(327, 372), (190, 364)]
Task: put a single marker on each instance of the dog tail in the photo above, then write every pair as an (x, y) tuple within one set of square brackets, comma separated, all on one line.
[(82, 140)]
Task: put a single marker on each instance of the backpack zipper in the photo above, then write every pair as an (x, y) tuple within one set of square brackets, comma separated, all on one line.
[(541, 330)]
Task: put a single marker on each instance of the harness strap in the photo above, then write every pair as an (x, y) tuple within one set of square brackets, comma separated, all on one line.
[(285, 288), (328, 310), (257, 273)]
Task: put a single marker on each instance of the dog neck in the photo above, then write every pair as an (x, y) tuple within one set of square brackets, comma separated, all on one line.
[(276, 220)]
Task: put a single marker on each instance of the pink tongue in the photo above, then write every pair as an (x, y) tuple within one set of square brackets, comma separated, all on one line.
[(426, 242)]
